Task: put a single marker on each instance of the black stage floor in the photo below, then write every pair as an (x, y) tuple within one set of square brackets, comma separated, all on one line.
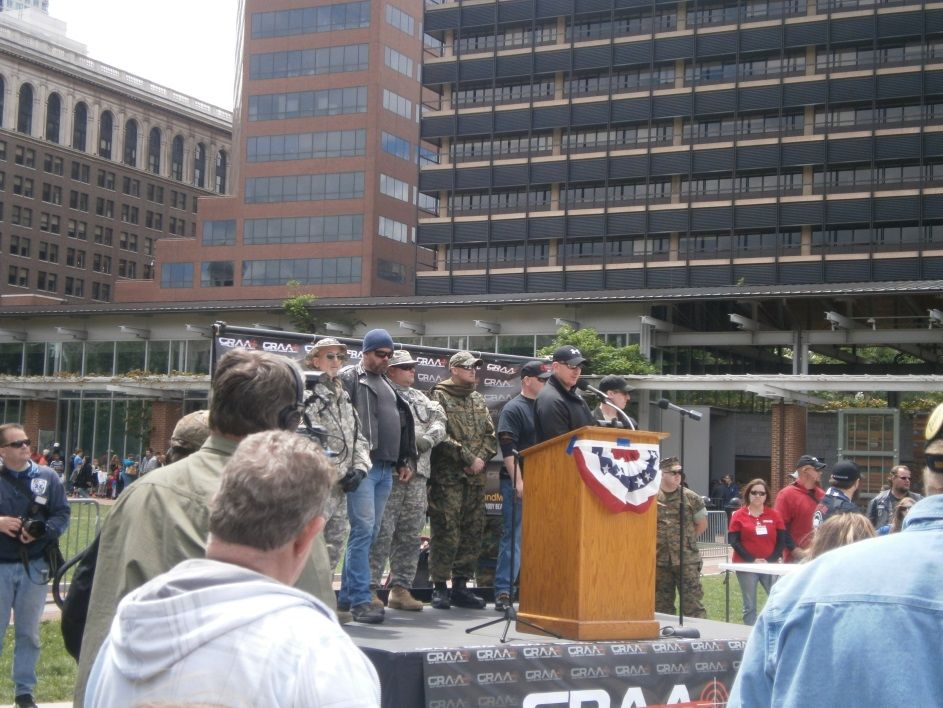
[(398, 647)]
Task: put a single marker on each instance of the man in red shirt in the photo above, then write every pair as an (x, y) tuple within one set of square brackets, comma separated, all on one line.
[(796, 504)]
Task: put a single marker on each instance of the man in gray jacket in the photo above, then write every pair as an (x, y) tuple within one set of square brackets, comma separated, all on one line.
[(881, 509), (405, 513)]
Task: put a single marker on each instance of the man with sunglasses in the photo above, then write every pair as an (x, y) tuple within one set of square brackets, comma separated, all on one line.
[(559, 408), (388, 427), (457, 486), (882, 507), (27, 490), (330, 407), (405, 513)]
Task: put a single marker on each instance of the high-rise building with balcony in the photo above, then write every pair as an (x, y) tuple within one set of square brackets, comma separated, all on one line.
[(326, 151), (633, 144)]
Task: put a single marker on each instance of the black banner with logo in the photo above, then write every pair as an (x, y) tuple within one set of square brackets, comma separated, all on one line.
[(597, 675)]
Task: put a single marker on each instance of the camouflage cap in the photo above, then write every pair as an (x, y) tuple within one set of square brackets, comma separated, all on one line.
[(464, 359), (325, 343), (191, 430), (401, 357), (670, 464)]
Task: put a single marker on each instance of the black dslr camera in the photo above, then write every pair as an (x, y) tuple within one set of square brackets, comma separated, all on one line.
[(35, 527)]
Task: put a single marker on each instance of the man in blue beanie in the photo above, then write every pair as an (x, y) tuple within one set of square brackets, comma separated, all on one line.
[(387, 423)]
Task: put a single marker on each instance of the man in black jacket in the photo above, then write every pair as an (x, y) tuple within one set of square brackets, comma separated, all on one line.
[(559, 408)]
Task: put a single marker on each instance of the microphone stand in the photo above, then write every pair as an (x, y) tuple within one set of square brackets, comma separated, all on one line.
[(510, 614), (681, 630)]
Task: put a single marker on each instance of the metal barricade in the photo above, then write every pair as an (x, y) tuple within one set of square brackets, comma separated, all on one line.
[(713, 542), (83, 526)]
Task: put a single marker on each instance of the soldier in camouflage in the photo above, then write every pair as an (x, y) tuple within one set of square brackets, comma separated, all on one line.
[(330, 407), (405, 513), (669, 573), (457, 485)]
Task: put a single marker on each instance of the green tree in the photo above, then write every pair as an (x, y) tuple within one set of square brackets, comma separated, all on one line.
[(298, 309), (604, 358)]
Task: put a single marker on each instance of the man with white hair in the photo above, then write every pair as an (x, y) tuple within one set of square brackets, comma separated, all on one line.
[(232, 619), (821, 620)]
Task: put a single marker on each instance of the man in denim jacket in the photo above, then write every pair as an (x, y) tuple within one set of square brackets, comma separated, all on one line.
[(821, 620)]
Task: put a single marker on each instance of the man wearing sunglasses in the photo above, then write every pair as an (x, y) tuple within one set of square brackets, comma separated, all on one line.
[(388, 427), (34, 492), (882, 507), (559, 408), (329, 406), (405, 514)]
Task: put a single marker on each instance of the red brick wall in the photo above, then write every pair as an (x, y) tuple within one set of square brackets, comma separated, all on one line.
[(164, 416), (788, 433), (39, 415)]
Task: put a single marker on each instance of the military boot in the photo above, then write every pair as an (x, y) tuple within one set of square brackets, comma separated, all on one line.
[(402, 599)]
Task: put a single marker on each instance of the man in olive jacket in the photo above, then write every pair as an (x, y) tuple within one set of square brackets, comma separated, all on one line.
[(457, 484), (163, 519)]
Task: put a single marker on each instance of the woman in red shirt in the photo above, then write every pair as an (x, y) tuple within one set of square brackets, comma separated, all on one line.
[(758, 535)]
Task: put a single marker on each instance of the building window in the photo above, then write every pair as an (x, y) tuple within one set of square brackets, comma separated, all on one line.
[(395, 145), (24, 114), (155, 193), (308, 104), (100, 263), (398, 62), (53, 165), (105, 128), (302, 188), (395, 230), (131, 187), (46, 281), (130, 155), (396, 188), (19, 246), (53, 117), (222, 164), (23, 186), (397, 104), (400, 20), (304, 229), (306, 146), (219, 233), (106, 179), (25, 156), (52, 193), (392, 271), (153, 151), (81, 172), (326, 18), (176, 275), (176, 158), (102, 234), (309, 62), (199, 165), (74, 287), (307, 271), (216, 274), (178, 200), (18, 277), (101, 292), (79, 126)]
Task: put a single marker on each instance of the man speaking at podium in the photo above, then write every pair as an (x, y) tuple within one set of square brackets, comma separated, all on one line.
[(559, 408)]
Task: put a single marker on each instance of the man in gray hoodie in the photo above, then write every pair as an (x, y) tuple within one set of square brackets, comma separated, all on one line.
[(229, 629)]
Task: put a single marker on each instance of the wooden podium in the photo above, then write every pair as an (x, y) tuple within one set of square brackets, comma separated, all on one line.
[(586, 573)]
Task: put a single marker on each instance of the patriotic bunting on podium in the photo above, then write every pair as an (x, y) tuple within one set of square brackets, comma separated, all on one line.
[(625, 476)]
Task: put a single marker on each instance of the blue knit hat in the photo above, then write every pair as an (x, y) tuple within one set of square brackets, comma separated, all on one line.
[(377, 339)]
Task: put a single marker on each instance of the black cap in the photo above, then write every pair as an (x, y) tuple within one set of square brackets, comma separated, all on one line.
[(569, 354), (845, 471), (613, 382), (539, 369), (810, 460)]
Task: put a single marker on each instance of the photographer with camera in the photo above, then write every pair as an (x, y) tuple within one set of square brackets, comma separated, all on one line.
[(34, 512), (329, 405)]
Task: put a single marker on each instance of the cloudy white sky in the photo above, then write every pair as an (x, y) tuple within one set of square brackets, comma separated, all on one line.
[(186, 45)]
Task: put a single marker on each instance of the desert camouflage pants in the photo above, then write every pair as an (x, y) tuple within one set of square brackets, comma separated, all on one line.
[(398, 539), (337, 526), (668, 580), (457, 521)]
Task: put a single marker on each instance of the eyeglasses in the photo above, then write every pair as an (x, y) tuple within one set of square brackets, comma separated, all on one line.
[(573, 367), (337, 357), (25, 442), (757, 493), (382, 353)]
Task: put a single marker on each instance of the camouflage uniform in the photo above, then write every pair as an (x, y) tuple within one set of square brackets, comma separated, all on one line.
[(330, 407), (668, 571), (456, 499), (405, 512)]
